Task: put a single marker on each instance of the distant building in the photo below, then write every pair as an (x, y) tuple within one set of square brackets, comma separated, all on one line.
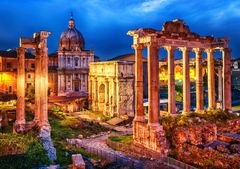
[(73, 61), (111, 88), (8, 71), (236, 73)]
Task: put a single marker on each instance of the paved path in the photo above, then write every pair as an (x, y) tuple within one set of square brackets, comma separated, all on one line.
[(98, 146)]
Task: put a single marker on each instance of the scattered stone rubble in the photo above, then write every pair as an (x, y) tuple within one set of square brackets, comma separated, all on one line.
[(202, 145), (45, 137), (78, 162)]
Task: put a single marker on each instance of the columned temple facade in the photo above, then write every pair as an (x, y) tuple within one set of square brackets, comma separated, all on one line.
[(73, 61), (174, 35)]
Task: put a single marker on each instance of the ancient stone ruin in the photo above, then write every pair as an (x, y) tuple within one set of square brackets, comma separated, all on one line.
[(174, 35), (39, 43)]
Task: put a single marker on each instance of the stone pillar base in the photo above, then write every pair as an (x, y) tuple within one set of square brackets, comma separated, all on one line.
[(150, 137), (18, 127)]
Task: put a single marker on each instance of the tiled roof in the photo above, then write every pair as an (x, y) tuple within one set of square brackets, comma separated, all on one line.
[(121, 56)]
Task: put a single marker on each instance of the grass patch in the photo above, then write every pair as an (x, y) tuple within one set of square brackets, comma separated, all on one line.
[(95, 115), (64, 127), (126, 139), (21, 151)]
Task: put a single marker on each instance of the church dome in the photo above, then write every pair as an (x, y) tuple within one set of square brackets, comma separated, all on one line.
[(71, 39)]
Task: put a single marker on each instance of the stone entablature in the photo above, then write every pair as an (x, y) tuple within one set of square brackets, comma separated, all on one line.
[(111, 87)]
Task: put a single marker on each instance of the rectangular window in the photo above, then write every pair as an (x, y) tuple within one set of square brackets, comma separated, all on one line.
[(83, 62), (83, 76), (76, 62), (9, 65), (68, 60), (10, 89), (32, 65), (29, 76)]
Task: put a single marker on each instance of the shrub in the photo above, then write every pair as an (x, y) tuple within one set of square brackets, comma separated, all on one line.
[(126, 139), (21, 151)]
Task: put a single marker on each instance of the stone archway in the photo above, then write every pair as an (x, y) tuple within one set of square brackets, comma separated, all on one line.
[(101, 97)]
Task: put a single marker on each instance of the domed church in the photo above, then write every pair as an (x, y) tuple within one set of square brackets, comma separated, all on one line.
[(73, 61)]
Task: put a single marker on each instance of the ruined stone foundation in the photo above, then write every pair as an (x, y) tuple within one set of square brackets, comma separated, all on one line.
[(152, 138)]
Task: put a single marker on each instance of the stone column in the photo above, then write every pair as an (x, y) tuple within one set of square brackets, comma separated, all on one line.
[(227, 92), (153, 86), (114, 102), (171, 81), (139, 113), (199, 80), (59, 83), (20, 107), (186, 81), (42, 45), (96, 95), (211, 79), (37, 104), (44, 90), (90, 89), (220, 86), (106, 96)]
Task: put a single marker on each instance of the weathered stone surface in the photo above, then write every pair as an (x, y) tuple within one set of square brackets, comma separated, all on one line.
[(78, 162), (151, 138), (235, 148), (195, 135), (45, 136), (111, 87), (222, 149)]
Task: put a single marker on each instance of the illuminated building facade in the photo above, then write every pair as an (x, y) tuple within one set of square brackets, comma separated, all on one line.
[(73, 61)]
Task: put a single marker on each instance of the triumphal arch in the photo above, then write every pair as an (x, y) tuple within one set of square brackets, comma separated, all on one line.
[(174, 35), (39, 44)]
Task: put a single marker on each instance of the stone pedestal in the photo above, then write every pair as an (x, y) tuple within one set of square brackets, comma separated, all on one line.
[(78, 162), (151, 138)]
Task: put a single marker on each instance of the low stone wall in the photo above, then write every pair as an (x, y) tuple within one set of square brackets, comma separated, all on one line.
[(233, 125), (195, 135), (151, 138), (207, 157), (132, 150)]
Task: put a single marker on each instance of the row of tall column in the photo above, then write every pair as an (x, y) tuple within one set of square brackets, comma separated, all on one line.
[(153, 81)]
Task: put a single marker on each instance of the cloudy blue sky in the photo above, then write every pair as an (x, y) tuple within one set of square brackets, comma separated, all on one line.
[(104, 23)]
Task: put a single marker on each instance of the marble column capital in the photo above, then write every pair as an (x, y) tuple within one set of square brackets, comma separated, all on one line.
[(184, 49), (209, 50), (138, 46), (197, 50), (152, 44), (169, 48)]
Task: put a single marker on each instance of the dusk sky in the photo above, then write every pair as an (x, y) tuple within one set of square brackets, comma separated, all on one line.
[(104, 23)]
